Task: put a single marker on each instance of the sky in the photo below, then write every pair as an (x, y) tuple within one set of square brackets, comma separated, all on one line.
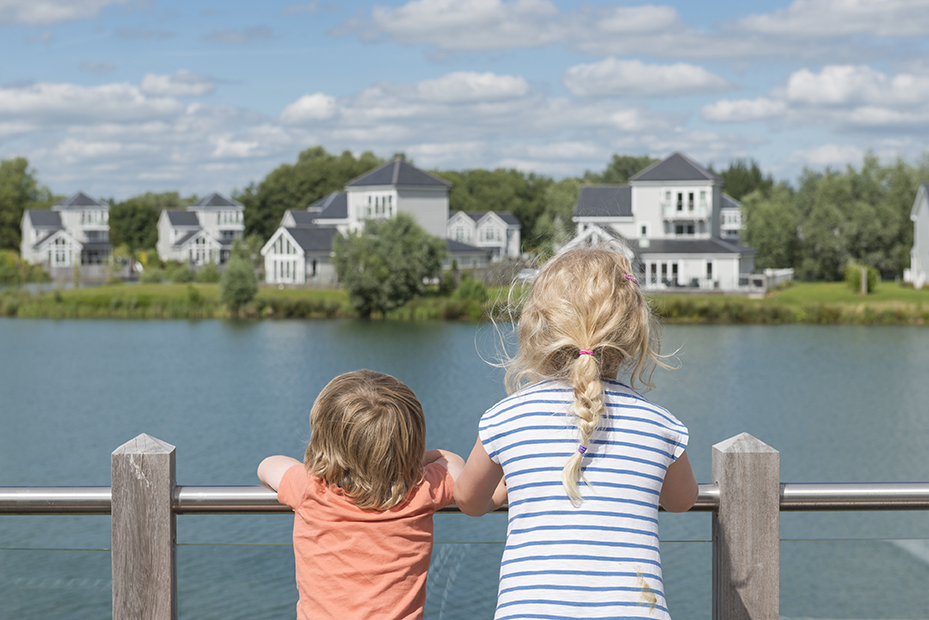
[(120, 97)]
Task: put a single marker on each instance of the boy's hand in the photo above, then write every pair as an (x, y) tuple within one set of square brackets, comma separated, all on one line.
[(449, 460), (272, 469)]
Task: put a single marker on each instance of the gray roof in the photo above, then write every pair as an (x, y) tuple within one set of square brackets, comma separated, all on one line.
[(604, 201), (314, 240), (728, 202), (332, 207), (43, 218), (185, 238), (713, 245), (506, 216), (97, 245), (302, 219), (182, 218), (79, 200), (676, 167), (457, 247), (398, 172), (217, 200), (45, 237)]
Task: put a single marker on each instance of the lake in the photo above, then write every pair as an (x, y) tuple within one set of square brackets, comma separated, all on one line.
[(840, 403)]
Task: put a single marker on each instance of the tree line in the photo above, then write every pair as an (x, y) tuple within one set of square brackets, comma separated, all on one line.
[(817, 226)]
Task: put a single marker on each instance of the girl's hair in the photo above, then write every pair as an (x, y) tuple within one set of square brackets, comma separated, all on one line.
[(368, 438), (585, 299)]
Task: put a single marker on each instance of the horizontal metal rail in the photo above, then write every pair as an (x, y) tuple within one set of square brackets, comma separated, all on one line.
[(261, 500)]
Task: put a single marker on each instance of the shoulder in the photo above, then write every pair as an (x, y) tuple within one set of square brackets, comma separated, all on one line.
[(619, 394), (294, 485), (544, 395)]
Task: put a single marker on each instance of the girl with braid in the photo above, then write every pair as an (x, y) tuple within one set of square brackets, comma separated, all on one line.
[(582, 458)]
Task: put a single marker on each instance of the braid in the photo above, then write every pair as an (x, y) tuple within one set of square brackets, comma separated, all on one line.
[(588, 407)]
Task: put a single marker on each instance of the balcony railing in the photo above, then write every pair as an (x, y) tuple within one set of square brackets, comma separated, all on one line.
[(684, 211), (746, 498)]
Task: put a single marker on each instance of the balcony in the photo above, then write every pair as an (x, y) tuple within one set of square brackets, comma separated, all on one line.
[(684, 211)]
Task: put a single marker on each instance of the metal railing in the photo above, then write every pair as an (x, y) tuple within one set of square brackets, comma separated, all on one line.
[(745, 499)]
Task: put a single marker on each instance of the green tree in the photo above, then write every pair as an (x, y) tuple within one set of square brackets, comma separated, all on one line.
[(134, 222), (744, 176), (19, 190), (295, 186), (770, 226), (238, 284), (620, 169), (387, 264)]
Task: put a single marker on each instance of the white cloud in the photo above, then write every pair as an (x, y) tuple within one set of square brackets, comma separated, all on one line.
[(740, 110), (42, 12), (68, 103), (309, 108), (632, 78), (848, 84), (834, 18), (828, 155), (181, 84), (467, 86)]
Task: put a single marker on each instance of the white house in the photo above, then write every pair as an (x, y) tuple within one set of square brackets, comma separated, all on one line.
[(671, 217), (497, 231), (299, 252), (74, 232), (918, 273), (202, 234)]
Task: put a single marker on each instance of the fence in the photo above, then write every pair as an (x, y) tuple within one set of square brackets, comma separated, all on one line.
[(746, 498)]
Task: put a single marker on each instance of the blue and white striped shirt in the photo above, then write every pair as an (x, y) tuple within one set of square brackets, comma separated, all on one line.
[(599, 559)]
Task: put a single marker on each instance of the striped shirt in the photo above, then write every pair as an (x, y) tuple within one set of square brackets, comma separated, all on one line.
[(599, 559)]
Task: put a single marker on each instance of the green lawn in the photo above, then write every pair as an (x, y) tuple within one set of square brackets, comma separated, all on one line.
[(886, 294)]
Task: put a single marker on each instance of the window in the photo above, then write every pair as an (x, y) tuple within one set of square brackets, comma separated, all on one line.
[(709, 270), (653, 273), (690, 201), (680, 201), (643, 230)]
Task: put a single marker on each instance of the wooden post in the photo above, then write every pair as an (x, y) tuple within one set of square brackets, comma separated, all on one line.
[(746, 530), (864, 280), (144, 533)]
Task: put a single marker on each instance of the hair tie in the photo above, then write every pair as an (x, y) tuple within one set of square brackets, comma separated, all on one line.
[(629, 277), (582, 449), (583, 352)]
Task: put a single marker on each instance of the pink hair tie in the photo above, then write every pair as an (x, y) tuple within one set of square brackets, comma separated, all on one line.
[(629, 277), (583, 352)]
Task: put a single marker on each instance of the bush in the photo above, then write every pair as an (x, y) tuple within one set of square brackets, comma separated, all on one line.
[(470, 289), (238, 285), (180, 274), (853, 277), (209, 274), (152, 276)]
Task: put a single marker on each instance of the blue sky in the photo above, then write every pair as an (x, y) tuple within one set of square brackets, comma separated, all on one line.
[(119, 97)]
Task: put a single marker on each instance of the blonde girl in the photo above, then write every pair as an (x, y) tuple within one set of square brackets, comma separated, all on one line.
[(582, 458), (363, 501)]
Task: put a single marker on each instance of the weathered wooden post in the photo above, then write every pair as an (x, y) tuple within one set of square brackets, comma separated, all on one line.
[(746, 530), (144, 532)]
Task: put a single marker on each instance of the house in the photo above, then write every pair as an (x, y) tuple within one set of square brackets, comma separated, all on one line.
[(202, 234), (498, 231), (918, 273), (674, 218), (73, 233), (300, 250)]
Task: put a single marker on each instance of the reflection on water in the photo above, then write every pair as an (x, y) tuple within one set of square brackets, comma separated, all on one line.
[(840, 403)]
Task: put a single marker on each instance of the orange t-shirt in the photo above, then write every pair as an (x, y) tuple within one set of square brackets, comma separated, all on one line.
[(361, 564)]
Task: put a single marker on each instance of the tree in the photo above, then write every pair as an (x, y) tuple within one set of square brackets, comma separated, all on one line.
[(386, 265), (134, 222), (620, 169), (295, 186), (744, 177), (19, 190), (770, 226), (238, 284)]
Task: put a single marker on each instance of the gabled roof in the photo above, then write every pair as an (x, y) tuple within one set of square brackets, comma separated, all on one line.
[(313, 240), (924, 192), (190, 236), (56, 233), (79, 200), (604, 201), (182, 218), (216, 200), (43, 218), (302, 219), (457, 247), (507, 217), (713, 245), (398, 172), (676, 167), (332, 207), (728, 202)]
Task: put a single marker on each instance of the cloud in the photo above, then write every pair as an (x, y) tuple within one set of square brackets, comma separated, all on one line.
[(310, 108), (847, 84), (837, 18), (237, 37), (100, 68), (612, 77), (464, 86), (827, 155), (64, 104), (45, 12), (740, 110), (181, 84)]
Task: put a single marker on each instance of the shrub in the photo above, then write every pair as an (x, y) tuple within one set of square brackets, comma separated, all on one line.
[(238, 285), (470, 290), (152, 276), (853, 277), (209, 274), (180, 274)]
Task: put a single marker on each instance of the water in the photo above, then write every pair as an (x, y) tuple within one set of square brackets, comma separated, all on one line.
[(840, 403)]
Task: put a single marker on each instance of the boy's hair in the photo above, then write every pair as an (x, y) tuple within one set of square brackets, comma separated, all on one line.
[(584, 300), (368, 438)]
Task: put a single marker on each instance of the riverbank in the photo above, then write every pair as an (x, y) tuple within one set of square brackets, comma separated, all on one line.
[(817, 303)]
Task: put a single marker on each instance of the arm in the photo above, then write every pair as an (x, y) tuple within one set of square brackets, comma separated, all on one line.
[(481, 487), (449, 460), (272, 469), (679, 490)]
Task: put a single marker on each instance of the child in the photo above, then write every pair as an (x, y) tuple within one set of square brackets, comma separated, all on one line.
[(363, 500), (574, 554)]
